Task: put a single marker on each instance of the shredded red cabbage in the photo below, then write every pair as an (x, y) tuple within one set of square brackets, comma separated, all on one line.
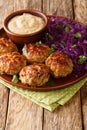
[(69, 37)]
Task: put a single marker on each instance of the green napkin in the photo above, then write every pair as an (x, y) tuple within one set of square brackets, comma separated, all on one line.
[(49, 99)]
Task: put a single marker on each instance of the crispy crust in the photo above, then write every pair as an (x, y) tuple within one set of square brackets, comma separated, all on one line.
[(35, 74), (11, 63), (36, 53), (7, 46), (60, 64)]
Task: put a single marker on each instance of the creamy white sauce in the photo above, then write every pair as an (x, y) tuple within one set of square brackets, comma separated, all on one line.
[(25, 24)]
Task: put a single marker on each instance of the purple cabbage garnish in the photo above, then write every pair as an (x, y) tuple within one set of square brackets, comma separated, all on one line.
[(69, 37)]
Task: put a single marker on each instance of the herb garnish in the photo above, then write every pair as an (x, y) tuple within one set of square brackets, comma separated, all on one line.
[(39, 43), (77, 35), (57, 27), (25, 53), (82, 59), (67, 28), (52, 49), (74, 46), (49, 36), (51, 82), (15, 79)]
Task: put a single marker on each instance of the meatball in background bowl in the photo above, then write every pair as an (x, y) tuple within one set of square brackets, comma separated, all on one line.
[(15, 29)]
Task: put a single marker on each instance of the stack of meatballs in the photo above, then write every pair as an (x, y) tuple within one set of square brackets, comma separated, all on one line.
[(35, 65)]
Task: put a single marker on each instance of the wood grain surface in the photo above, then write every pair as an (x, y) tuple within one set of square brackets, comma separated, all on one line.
[(18, 113), (84, 105), (3, 106), (23, 114), (58, 7), (67, 117), (80, 9)]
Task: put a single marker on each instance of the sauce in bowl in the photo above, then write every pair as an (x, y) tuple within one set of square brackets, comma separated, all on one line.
[(25, 24)]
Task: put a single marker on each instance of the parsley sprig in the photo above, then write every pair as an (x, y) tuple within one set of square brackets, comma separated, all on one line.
[(52, 49), (67, 28), (77, 35), (82, 59), (15, 79)]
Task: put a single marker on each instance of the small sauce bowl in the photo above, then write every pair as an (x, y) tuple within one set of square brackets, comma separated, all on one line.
[(21, 39)]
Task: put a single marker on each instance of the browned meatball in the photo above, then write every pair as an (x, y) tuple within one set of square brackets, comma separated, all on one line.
[(7, 46), (36, 53), (11, 63), (34, 75), (60, 64)]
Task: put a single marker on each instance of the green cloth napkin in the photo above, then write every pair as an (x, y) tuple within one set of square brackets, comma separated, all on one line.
[(49, 99)]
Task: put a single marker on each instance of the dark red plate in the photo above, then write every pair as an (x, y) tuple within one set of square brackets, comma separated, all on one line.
[(53, 83)]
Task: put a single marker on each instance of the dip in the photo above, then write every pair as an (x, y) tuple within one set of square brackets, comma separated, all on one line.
[(25, 24)]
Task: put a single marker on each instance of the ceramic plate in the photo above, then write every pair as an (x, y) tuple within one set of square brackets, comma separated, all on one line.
[(51, 85)]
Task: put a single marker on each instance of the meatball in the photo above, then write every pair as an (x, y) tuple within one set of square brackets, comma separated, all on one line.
[(34, 75), (7, 46), (60, 64), (36, 53), (11, 63)]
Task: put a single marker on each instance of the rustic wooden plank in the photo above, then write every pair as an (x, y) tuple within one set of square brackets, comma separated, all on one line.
[(3, 105), (80, 8), (5, 9), (23, 114), (58, 7), (27, 4), (84, 105), (67, 117), (3, 90)]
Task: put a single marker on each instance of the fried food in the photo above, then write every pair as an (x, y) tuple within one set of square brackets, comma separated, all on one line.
[(60, 64), (36, 53), (34, 75), (11, 63), (7, 46)]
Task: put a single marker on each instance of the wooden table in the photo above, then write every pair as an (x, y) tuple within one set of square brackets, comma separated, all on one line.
[(18, 113)]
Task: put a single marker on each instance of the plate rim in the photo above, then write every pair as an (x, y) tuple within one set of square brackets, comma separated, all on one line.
[(23, 86)]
